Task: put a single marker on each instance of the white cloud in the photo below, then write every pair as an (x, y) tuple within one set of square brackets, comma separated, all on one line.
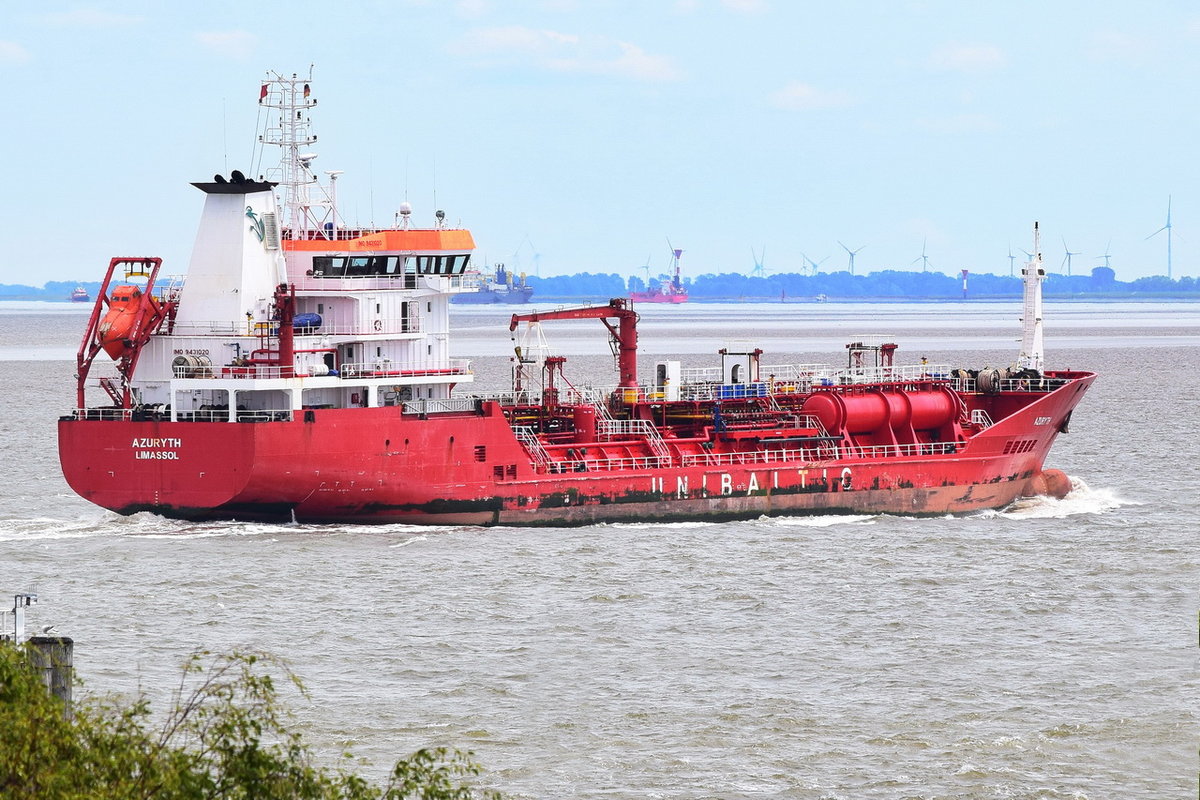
[(630, 61), (512, 40), (566, 52), (12, 53), (90, 18), (1119, 46), (967, 58), (472, 9), (798, 96), (954, 124), (231, 44), (745, 6)]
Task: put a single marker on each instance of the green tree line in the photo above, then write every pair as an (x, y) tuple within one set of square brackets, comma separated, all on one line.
[(1100, 282)]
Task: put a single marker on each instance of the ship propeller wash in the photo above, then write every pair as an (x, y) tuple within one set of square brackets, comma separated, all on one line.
[(301, 370)]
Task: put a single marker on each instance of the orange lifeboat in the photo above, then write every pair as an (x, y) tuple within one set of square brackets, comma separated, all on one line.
[(123, 310)]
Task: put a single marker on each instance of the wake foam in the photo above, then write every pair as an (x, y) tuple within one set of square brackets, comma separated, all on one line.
[(1082, 499)]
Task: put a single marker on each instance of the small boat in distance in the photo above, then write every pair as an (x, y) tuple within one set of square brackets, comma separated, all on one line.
[(80, 295), (669, 291), (501, 287)]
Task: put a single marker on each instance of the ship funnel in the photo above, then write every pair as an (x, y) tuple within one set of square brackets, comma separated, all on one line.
[(236, 260)]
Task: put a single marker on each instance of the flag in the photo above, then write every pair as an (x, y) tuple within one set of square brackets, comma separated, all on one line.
[(306, 91), (262, 95)]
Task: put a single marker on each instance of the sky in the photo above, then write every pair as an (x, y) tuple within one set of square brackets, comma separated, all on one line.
[(584, 135)]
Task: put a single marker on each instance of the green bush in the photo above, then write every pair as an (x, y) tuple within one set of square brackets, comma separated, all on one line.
[(225, 737)]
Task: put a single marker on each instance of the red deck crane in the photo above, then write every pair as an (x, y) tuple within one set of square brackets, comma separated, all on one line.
[(623, 333)]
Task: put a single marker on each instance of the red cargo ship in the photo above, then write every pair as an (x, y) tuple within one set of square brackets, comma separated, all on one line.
[(302, 372), (669, 291)]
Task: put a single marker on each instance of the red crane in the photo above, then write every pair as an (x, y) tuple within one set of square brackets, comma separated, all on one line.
[(623, 333)]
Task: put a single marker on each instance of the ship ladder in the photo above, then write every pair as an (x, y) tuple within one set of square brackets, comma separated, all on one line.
[(980, 417), (598, 401), (533, 446)]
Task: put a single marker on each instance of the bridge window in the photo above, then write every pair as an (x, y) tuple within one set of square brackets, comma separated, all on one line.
[(388, 266)]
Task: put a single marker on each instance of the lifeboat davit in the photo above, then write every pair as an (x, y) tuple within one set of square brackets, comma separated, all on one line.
[(114, 330)]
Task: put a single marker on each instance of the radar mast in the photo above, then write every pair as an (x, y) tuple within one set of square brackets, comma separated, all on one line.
[(1032, 347), (309, 211)]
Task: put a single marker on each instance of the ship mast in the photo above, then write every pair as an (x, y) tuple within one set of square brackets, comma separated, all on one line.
[(308, 214), (1032, 347)]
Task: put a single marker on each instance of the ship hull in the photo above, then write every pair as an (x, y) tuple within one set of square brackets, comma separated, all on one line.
[(672, 299), (493, 297), (378, 465)]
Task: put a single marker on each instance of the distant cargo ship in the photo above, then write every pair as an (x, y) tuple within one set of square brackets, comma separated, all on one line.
[(80, 295), (670, 291), (501, 287)]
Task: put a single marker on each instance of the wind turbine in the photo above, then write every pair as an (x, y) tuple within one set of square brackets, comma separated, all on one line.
[(924, 259), (1012, 260), (813, 266), (1106, 255), (1067, 258), (1166, 228), (851, 253), (646, 266), (759, 270), (537, 257), (537, 260)]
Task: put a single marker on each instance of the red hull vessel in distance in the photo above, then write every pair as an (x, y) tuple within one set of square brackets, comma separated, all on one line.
[(321, 389), (669, 291)]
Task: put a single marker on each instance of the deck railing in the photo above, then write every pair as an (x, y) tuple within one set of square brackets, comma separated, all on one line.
[(383, 368), (448, 405), (328, 327)]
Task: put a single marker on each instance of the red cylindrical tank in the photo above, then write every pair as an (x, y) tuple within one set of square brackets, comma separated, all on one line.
[(899, 409), (122, 312), (585, 424), (931, 409), (865, 413), (826, 407)]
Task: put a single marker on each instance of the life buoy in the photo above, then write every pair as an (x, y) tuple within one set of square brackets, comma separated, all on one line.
[(378, 326)]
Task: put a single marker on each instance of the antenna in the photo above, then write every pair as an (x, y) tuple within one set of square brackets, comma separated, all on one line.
[(1067, 258), (1032, 355), (924, 259), (851, 254), (291, 101), (1166, 228)]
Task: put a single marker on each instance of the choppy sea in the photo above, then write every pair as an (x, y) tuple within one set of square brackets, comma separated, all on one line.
[(1044, 651)]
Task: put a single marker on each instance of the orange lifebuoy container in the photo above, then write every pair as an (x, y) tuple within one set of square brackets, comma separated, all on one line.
[(114, 329)]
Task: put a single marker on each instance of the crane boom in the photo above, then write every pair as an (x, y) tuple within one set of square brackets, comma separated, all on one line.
[(623, 333)]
